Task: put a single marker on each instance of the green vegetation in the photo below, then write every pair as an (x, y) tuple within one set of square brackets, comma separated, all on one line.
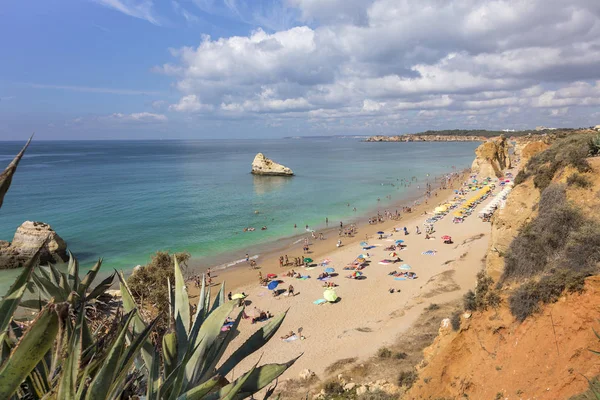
[(150, 285), (455, 321), (484, 296), (578, 180), (407, 378), (594, 145), (384, 352), (568, 151), (58, 356)]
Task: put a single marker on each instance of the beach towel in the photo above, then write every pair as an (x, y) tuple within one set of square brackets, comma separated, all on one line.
[(429, 253), (324, 279), (304, 277), (291, 338), (368, 248), (320, 301), (384, 262), (309, 268), (399, 279)]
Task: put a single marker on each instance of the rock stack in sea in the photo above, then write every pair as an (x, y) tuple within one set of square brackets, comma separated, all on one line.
[(29, 237), (265, 166)]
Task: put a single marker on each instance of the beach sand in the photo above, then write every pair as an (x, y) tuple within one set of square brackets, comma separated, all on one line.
[(367, 316)]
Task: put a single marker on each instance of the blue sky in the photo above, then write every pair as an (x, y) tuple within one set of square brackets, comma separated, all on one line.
[(103, 69)]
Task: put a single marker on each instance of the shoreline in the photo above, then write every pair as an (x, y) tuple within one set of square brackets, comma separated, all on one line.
[(368, 316), (265, 252)]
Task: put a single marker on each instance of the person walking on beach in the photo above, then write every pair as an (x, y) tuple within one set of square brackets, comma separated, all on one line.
[(291, 291), (326, 221), (208, 272), (247, 257), (341, 225), (286, 260)]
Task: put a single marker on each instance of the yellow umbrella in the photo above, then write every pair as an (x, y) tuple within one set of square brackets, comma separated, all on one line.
[(330, 295)]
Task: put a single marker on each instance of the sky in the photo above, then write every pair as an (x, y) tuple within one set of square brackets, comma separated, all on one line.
[(172, 69)]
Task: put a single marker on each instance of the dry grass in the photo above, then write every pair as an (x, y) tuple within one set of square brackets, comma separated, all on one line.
[(340, 364)]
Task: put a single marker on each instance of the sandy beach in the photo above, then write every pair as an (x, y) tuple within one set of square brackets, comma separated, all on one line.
[(367, 315)]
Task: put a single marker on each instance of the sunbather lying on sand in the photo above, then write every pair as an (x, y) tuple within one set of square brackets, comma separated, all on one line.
[(329, 284), (289, 335)]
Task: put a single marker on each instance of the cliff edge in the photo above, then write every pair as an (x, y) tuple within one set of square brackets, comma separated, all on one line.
[(265, 166), (492, 158)]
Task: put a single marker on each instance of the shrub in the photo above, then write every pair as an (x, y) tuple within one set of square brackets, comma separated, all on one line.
[(542, 241), (384, 352), (407, 378), (432, 307), (455, 321), (149, 284), (377, 395), (578, 180), (594, 145), (400, 355), (469, 302), (333, 387), (527, 299), (521, 177)]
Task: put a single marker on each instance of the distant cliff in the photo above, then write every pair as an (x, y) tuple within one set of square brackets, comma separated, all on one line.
[(426, 138)]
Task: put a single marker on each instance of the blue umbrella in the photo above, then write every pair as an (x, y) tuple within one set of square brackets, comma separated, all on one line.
[(399, 241), (364, 244), (272, 285), (380, 232), (329, 270)]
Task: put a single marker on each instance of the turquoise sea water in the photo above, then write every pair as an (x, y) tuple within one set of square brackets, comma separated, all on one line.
[(123, 200)]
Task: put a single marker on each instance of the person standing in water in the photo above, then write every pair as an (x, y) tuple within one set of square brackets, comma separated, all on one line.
[(326, 221)]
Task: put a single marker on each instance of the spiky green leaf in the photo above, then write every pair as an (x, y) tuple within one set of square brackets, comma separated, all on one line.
[(87, 280), (254, 342), (10, 301), (182, 302), (28, 352), (67, 388), (7, 175), (101, 288)]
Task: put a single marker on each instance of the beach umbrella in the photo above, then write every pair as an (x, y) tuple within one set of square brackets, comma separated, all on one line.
[(446, 237), (405, 267), (399, 241), (329, 270), (380, 232), (237, 296), (364, 244), (308, 260), (330, 295), (357, 273), (393, 254), (272, 285)]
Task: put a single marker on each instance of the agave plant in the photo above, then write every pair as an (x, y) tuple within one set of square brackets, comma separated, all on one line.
[(595, 145), (192, 351)]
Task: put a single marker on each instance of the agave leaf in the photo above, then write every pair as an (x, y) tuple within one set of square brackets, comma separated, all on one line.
[(32, 347), (36, 304), (229, 392), (254, 342), (10, 301), (100, 385), (171, 388), (87, 280), (64, 283), (49, 289), (270, 392), (169, 351), (73, 272), (101, 288), (198, 392), (200, 312), (126, 362), (138, 323), (7, 175), (206, 336), (216, 351), (154, 381), (44, 272), (67, 387), (54, 274), (182, 302), (260, 377), (220, 299)]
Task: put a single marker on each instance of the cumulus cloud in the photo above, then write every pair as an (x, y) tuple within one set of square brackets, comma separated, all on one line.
[(391, 64)]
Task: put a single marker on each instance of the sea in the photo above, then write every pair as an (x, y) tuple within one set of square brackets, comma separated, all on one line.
[(124, 200)]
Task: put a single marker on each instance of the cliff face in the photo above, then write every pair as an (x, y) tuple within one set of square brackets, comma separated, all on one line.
[(29, 237), (492, 158), (425, 138), (542, 358), (265, 166)]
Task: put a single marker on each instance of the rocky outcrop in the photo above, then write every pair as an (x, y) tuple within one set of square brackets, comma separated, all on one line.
[(425, 138), (530, 149), (30, 237), (265, 166), (492, 158)]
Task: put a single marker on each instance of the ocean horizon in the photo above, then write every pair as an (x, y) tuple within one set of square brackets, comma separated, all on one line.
[(125, 200)]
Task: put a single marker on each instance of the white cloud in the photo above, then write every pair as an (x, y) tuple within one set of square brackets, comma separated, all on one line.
[(400, 62), (188, 16), (142, 9), (190, 103)]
